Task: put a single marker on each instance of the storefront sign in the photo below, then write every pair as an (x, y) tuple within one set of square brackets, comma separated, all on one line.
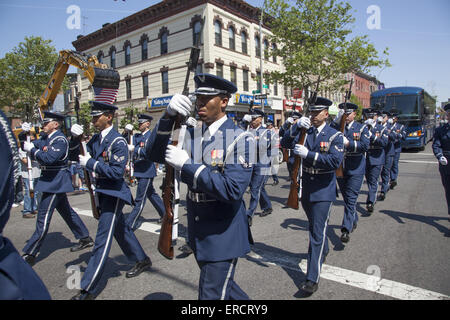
[(247, 98), (159, 102)]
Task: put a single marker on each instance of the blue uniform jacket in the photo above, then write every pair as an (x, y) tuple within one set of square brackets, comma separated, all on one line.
[(143, 168), (441, 145), (218, 230), (378, 141), (389, 150), (52, 155), (400, 136), (355, 153), (325, 154), (108, 161), (263, 144)]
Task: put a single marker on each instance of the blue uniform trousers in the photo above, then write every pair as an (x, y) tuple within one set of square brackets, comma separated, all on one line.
[(258, 192), (111, 223), (50, 202), (394, 168), (318, 214), (350, 185), (372, 176), (386, 173), (445, 177), (145, 190), (216, 281)]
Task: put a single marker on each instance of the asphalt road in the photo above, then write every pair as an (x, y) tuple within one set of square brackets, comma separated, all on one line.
[(401, 251)]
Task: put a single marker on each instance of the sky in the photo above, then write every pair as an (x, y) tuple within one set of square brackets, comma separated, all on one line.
[(416, 32)]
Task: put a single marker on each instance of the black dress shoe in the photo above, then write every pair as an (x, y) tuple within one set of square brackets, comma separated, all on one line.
[(82, 244), (266, 212), (83, 295), (275, 183), (185, 249), (30, 259), (382, 196), (250, 220), (370, 208), (393, 184), (310, 286), (345, 236), (139, 267), (354, 226), (325, 257)]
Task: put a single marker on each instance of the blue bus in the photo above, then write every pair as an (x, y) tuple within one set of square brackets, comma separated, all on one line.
[(416, 111)]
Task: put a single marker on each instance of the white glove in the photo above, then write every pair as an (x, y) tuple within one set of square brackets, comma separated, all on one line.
[(370, 122), (290, 120), (84, 159), (131, 147), (443, 161), (26, 126), (338, 117), (247, 118), (390, 121), (179, 104), (304, 122), (176, 157), (380, 119), (191, 122), (129, 127), (76, 130), (301, 150), (346, 142), (28, 146)]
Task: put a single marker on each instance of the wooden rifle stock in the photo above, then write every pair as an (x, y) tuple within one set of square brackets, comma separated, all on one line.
[(292, 201), (285, 154)]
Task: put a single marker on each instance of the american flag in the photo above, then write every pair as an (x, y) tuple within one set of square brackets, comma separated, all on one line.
[(105, 95)]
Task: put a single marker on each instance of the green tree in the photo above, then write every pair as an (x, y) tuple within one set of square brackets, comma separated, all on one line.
[(314, 40), (354, 99), (25, 72), (131, 114)]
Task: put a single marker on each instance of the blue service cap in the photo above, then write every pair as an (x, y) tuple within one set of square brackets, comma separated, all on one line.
[(370, 112), (350, 107), (144, 118), (447, 107), (211, 85), (386, 113), (98, 108), (256, 113), (52, 116), (320, 104)]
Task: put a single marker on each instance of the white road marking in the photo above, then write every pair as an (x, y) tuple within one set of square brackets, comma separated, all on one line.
[(348, 277), (418, 161)]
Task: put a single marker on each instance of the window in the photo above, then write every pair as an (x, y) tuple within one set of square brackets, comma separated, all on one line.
[(233, 75), (164, 43), (100, 57), (275, 88), (145, 85), (196, 33), (266, 50), (219, 70), (127, 54), (274, 48), (218, 33), (113, 58), (199, 69), (244, 42), (144, 49), (231, 41), (257, 47), (128, 88), (165, 81), (245, 79)]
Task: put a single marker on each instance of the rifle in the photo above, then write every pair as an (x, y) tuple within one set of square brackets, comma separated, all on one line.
[(296, 181), (170, 192), (87, 176), (30, 170), (285, 150), (340, 170)]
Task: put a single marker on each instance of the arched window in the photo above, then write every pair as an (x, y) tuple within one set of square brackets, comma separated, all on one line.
[(196, 33), (257, 46), (231, 41), (218, 32), (164, 42), (244, 42)]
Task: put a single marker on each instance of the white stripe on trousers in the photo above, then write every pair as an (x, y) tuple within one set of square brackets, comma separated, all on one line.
[(106, 246), (45, 224), (323, 242), (224, 289), (142, 204)]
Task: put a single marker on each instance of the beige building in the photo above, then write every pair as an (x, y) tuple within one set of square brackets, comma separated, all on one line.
[(150, 50)]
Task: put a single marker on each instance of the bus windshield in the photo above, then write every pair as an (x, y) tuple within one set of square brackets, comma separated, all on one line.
[(405, 105)]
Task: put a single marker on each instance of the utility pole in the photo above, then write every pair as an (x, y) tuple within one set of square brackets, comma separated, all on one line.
[(261, 56)]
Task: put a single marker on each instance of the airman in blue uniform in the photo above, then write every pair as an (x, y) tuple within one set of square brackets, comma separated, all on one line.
[(389, 152), (18, 281), (145, 172), (322, 154), (52, 151), (293, 117), (375, 155), (400, 131), (106, 156), (441, 149), (216, 168), (356, 142), (262, 166)]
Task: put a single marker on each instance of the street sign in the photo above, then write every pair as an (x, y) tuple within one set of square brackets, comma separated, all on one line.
[(266, 86), (256, 91), (260, 96)]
